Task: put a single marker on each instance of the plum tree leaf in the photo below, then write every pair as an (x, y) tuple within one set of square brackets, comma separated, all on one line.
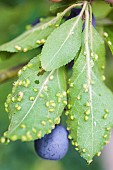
[(32, 38), (108, 34), (37, 101), (67, 42), (90, 118)]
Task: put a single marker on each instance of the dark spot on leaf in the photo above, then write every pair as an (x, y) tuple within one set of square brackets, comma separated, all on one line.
[(41, 73), (36, 81)]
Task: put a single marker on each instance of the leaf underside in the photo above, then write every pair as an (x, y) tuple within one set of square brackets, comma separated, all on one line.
[(91, 110), (32, 38), (67, 42), (90, 118), (36, 102)]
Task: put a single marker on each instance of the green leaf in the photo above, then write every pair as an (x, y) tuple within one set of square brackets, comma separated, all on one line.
[(90, 113), (62, 45), (90, 118), (32, 38), (37, 101), (108, 34)]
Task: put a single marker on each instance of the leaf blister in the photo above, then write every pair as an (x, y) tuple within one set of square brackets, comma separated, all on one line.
[(39, 108)]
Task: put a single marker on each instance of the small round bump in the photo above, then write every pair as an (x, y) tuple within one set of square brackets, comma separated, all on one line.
[(20, 73), (103, 78), (68, 91), (2, 140), (78, 97), (106, 110), (43, 41), (13, 99), (69, 137), (71, 84), (38, 42), (20, 94), (72, 117), (76, 143), (64, 94), (105, 116), (84, 150), (45, 88), (89, 162), (43, 123), (35, 90), (29, 65), (22, 126), (108, 128), (28, 135), (73, 143), (51, 110), (98, 154), (41, 95), (68, 128), (25, 50), (53, 126), (87, 112), (65, 102), (67, 113), (51, 77), (77, 149), (95, 57), (86, 118), (103, 67), (24, 68), (18, 48), (14, 137), (18, 108), (105, 136), (32, 98), (34, 130), (50, 121), (92, 54), (87, 104), (47, 104), (110, 43), (23, 138), (57, 120), (105, 34), (69, 106)]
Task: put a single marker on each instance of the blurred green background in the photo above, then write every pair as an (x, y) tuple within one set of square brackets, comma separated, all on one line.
[(14, 16)]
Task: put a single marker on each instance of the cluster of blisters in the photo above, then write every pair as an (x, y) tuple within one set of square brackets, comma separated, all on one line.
[(18, 98), (45, 123), (39, 42), (60, 97), (87, 112), (106, 135), (107, 38), (20, 49)]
